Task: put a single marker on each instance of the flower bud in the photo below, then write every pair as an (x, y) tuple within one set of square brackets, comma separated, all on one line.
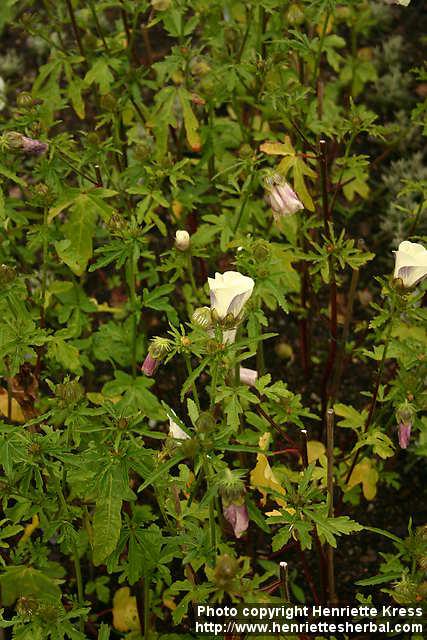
[(160, 347), (405, 414), (231, 486), (295, 15), (248, 376), (7, 274), (157, 351), (25, 100), (232, 491), (108, 102), (150, 365), (117, 224), (202, 317), (281, 197), (205, 422), (15, 140), (69, 392), (182, 240), (226, 569), (237, 515), (404, 434), (261, 250)]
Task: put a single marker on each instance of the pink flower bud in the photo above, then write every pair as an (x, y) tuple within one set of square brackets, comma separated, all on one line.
[(248, 376), (150, 365), (282, 198), (237, 515), (404, 434), (15, 140), (34, 147)]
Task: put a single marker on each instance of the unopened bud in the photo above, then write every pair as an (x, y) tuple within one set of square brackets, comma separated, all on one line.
[(261, 250), (7, 274), (25, 100), (404, 434), (248, 376), (405, 414), (231, 487), (15, 140), (202, 317), (225, 570), (69, 392), (237, 515), (150, 365), (117, 223), (160, 347), (281, 197), (182, 240)]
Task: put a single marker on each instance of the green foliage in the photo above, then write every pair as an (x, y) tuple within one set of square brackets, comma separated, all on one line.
[(161, 442)]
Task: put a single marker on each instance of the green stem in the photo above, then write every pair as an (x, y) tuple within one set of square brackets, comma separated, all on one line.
[(98, 26), (75, 27), (376, 390), (9, 389), (260, 360), (243, 205), (214, 381), (193, 385), (79, 580), (191, 274), (146, 608), (345, 333), (344, 162), (381, 367), (44, 267), (320, 49), (212, 523), (417, 217), (132, 291)]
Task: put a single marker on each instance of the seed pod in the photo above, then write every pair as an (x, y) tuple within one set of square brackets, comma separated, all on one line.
[(226, 569)]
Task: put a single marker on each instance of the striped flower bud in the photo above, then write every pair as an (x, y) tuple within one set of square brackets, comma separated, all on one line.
[(281, 197), (15, 140)]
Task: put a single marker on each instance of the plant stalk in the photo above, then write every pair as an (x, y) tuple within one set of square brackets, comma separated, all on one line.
[(79, 581), (330, 418)]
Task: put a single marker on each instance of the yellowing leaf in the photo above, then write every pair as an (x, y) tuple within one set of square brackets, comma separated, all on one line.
[(191, 123), (264, 441), (315, 450), (17, 415), (364, 473), (262, 477), (277, 148), (30, 528), (99, 398), (177, 208), (292, 161), (125, 612)]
